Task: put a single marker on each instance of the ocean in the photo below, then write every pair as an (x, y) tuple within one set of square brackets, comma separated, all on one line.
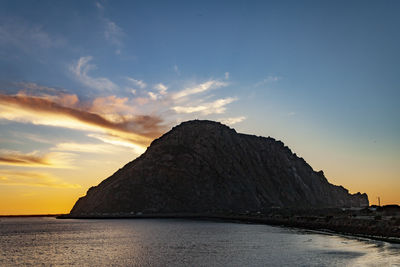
[(47, 241)]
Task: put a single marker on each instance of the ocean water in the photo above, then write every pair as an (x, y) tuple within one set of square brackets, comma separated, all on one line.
[(173, 242)]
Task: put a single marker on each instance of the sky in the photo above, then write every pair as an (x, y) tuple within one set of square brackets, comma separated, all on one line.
[(85, 86)]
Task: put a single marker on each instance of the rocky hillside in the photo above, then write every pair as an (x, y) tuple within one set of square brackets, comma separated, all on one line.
[(206, 167)]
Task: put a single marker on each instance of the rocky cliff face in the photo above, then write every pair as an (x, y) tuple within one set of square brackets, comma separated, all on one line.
[(206, 167)]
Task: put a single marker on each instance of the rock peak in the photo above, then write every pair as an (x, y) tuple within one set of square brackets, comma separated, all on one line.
[(200, 125), (205, 166)]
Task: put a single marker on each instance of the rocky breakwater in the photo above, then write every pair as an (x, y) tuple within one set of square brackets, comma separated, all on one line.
[(205, 167)]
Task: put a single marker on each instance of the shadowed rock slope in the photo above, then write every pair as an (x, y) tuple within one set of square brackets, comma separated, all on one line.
[(206, 167)]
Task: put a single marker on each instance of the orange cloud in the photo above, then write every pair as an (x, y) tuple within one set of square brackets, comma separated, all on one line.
[(116, 140), (112, 116), (111, 104), (23, 160), (51, 160), (27, 178), (42, 110)]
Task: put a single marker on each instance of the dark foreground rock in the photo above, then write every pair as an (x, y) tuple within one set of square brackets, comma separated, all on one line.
[(206, 167)]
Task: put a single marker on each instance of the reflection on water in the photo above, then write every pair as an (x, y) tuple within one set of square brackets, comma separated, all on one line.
[(33, 241)]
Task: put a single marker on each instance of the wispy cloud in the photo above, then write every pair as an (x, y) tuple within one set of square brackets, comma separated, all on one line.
[(34, 159), (29, 178), (152, 95), (161, 88), (17, 158), (112, 32), (267, 80), (233, 120), (216, 107), (176, 70), (226, 75), (48, 93), (139, 83), (32, 137), (37, 89), (99, 6), (111, 106), (131, 90), (203, 87), (118, 141), (159, 93), (80, 71), (84, 147), (25, 36)]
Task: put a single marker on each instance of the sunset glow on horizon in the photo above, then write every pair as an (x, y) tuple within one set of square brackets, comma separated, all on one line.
[(85, 87)]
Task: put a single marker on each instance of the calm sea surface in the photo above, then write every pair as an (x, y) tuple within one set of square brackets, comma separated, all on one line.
[(170, 242)]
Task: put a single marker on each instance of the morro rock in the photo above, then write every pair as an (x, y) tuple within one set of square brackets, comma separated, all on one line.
[(206, 167)]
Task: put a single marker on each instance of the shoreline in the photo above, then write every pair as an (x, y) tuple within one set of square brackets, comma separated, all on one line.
[(341, 228), (30, 215)]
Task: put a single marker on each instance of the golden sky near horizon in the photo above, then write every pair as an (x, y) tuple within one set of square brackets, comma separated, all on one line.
[(60, 167)]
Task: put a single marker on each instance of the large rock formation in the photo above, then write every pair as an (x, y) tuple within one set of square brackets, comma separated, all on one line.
[(206, 167)]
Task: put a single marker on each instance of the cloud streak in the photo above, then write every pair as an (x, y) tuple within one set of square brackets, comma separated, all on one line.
[(110, 145), (33, 159), (216, 107), (141, 84), (176, 70), (115, 140), (17, 158), (161, 88), (137, 129), (84, 147), (269, 79), (113, 33), (19, 33), (28, 178), (80, 71), (200, 88), (233, 120)]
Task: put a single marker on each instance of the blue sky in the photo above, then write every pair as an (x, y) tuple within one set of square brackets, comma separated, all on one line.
[(322, 76)]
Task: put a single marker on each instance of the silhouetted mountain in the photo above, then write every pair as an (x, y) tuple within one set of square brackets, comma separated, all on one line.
[(206, 167)]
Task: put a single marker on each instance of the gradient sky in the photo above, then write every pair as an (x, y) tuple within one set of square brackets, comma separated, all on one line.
[(85, 86)]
